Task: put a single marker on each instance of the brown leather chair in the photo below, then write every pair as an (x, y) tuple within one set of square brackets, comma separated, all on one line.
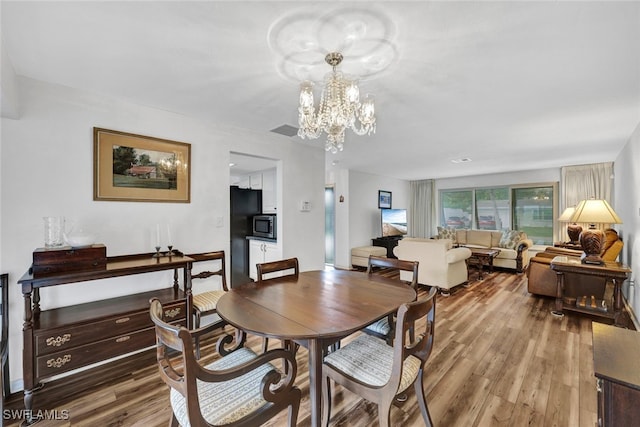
[(542, 280)]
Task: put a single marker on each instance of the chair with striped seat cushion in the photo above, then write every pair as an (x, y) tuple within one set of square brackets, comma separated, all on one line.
[(275, 269), (379, 373), (205, 303), (383, 328), (241, 388)]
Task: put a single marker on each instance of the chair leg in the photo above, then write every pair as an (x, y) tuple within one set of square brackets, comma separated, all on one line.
[(265, 344), (384, 414), (197, 325), (422, 400), (326, 401), (293, 411), (173, 422)]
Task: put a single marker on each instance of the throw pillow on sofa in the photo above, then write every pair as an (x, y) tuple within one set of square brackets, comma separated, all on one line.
[(447, 233), (511, 238)]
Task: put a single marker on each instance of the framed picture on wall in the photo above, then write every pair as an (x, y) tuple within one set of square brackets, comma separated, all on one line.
[(384, 199), (137, 168)]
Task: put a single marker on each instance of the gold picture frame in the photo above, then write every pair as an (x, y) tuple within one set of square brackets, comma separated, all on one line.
[(137, 168)]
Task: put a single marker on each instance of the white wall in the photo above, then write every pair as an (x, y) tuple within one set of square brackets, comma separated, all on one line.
[(9, 102), (497, 179), (358, 217), (627, 206), (47, 166)]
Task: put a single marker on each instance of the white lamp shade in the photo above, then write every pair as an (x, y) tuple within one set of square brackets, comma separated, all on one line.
[(594, 211), (567, 214)]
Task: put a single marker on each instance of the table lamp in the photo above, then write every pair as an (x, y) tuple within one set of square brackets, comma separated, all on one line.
[(593, 212), (573, 230)]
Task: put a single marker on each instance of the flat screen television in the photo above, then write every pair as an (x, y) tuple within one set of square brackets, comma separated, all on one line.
[(394, 222)]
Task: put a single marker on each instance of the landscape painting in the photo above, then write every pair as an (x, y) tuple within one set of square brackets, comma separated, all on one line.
[(144, 168), (130, 167)]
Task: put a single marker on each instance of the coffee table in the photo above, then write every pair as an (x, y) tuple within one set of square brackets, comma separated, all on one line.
[(481, 258)]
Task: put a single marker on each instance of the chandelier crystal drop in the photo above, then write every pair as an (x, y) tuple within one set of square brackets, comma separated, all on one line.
[(340, 108)]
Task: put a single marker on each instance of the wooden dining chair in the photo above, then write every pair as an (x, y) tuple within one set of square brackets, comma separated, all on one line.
[(384, 328), (379, 373), (292, 268), (205, 303), (289, 265), (4, 341), (239, 389)]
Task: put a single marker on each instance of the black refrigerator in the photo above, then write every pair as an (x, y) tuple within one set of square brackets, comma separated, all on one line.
[(245, 204)]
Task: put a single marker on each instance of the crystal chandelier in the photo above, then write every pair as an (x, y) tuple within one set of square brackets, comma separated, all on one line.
[(340, 108)]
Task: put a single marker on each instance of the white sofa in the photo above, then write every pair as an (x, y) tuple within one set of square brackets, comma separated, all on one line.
[(440, 265), (514, 245)]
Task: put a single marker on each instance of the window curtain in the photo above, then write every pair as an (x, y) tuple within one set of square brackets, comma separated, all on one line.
[(421, 208), (584, 182)]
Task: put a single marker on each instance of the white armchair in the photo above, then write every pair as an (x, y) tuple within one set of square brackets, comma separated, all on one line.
[(440, 264)]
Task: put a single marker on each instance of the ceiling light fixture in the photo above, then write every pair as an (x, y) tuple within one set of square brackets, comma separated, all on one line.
[(340, 108)]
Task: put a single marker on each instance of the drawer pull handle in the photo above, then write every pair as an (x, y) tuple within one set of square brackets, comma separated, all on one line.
[(58, 341), (123, 339), (123, 320), (59, 362), (172, 313)]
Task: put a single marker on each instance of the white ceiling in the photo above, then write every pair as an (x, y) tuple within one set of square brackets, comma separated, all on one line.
[(510, 85)]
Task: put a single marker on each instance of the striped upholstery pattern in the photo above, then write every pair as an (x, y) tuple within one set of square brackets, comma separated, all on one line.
[(228, 401), (381, 327), (207, 301), (370, 360)]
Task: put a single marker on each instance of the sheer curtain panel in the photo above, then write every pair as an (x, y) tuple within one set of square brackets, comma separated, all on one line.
[(584, 182), (421, 208)]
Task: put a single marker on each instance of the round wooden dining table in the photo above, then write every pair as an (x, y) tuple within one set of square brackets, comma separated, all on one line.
[(316, 309)]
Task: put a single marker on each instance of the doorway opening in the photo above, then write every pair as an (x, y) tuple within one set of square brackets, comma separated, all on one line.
[(329, 226)]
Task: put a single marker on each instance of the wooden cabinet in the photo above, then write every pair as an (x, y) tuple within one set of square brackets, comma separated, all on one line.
[(255, 181), (266, 181), (262, 251), (269, 192), (617, 370), (251, 181), (63, 339)]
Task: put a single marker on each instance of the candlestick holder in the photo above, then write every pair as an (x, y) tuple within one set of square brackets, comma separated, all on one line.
[(157, 254), (170, 253)]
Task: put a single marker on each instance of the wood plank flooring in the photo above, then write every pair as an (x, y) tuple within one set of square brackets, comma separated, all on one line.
[(500, 359)]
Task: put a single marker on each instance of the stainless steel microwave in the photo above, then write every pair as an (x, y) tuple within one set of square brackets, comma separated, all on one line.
[(264, 226)]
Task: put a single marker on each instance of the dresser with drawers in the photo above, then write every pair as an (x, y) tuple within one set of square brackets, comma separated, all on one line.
[(63, 339)]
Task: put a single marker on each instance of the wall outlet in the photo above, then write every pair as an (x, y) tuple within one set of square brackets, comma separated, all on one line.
[(305, 206)]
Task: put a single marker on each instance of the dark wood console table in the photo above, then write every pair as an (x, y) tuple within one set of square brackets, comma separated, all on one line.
[(63, 339), (617, 371), (612, 271), (387, 242)]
